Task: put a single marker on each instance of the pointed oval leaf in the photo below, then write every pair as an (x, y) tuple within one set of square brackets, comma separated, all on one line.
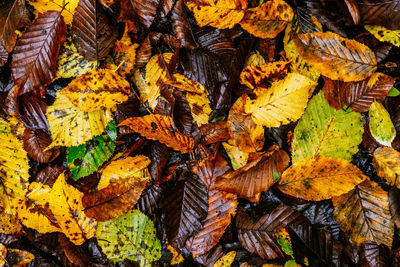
[(238, 157), (384, 35), (364, 215), (319, 177), (67, 11), (336, 57), (385, 13), (226, 260), (325, 131), (387, 165), (35, 142), (131, 236), (380, 124)]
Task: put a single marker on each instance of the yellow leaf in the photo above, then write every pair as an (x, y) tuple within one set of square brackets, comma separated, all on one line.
[(9, 221), (129, 167), (3, 255), (267, 20), (22, 257), (69, 126), (221, 14), (66, 204), (387, 165), (42, 6), (254, 75), (255, 58), (124, 52), (238, 157), (283, 102), (97, 89), (226, 260), (319, 177), (384, 35), (160, 128), (176, 256)]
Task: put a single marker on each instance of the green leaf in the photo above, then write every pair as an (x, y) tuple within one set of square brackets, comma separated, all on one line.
[(380, 124), (85, 159), (394, 92), (131, 236), (290, 263), (325, 131)]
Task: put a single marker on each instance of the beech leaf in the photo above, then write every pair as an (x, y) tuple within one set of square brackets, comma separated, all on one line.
[(380, 124), (387, 165)]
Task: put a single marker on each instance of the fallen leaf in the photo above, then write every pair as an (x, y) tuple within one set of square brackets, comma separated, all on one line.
[(35, 142), (387, 165), (67, 10), (383, 13), (226, 260), (372, 254), (384, 35), (238, 157), (380, 124)]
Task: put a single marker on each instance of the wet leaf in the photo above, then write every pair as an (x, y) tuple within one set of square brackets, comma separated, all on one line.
[(41, 6), (380, 124), (32, 112), (20, 257), (322, 130), (131, 236), (319, 177), (76, 254), (364, 215), (238, 158), (383, 13), (387, 165), (149, 200), (372, 254), (143, 12), (336, 57), (226, 260), (211, 257), (35, 142), (160, 128), (181, 25)]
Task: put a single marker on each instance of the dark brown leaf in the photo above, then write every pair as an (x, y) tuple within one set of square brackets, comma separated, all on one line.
[(35, 142), (185, 206), (13, 16), (182, 114), (143, 12), (149, 200), (181, 26), (369, 141), (35, 56), (209, 169), (49, 175), (32, 112), (380, 12), (374, 255), (159, 155), (93, 32), (394, 205), (78, 255), (210, 257), (214, 132)]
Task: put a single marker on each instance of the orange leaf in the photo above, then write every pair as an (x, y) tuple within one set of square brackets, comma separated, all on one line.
[(160, 128)]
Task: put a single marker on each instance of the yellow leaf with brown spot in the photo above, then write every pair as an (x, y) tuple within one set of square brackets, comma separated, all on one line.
[(267, 20), (124, 52), (3, 255), (319, 177), (22, 257), (238, 157), (226, 260), (160, 128), (387, 165), (176, 256), (66, 6), (129, 167), (255, 75), (384, 35), (282, 103), (70, 126), (9, 221), (97, 89), (336, 57), (220, 14)]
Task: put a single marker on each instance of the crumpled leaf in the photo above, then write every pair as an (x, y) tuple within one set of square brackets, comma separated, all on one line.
[(181, 25), (364, 215), (319, 177), (97, 89), (226, 260), (387, 165), (13, 16), (85, 159), (35, 141), (221, 14), (384, 35), (160, 128), (268, 19), (336, 57), (322, 130), (35, 56), (69, 126), (380, 124), (131, 236), (283, 102)]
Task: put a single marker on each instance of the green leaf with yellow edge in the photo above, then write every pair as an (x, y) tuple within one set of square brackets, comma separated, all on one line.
[(284, 241), (97, 89), (85, 159), (70, 126), (129, 167), (237, 156), (387, 165), (66, 6), (380, 124), (283, 102), (384, 35), (131, 236), (226, 260), (70, 63), (323, 130), (319, 177)]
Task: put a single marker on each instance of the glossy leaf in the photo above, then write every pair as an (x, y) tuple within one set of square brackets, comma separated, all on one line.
[(144, 12), (41, 6), (149, 200), (35, 56), (181, 25), (283, 102), (372, 254), (35, 142), (131, 236), (336, 57), (319, 177), (380, 124), (85, 159), (325, 131), (387, 165), (364, 215), (160, 128), (383, 13)]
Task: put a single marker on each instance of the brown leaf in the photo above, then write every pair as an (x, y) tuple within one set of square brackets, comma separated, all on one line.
[(35, 142), (387, 165), (13, 16), (149, 200), (255, 177), (210, 168), (210, 257), (143, 12), (49, 175), (35, 56), (78, 255), (93, 32), (214, 132), (374, 255), (114, 200), (394, 205), (181, 26), (383, 12), (32, 112)]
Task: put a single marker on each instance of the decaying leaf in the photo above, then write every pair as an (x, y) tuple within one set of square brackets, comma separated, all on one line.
[(319, 177), (226, 260), (387, 165), (325, 131), (384, 35), (238, 157), (161, 128), (381, 125), (372, 254), (68, 10), (18, 257), (130, 236), (364, 215), (336, 57), (283, 102), (69, 126), (35, 142)]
